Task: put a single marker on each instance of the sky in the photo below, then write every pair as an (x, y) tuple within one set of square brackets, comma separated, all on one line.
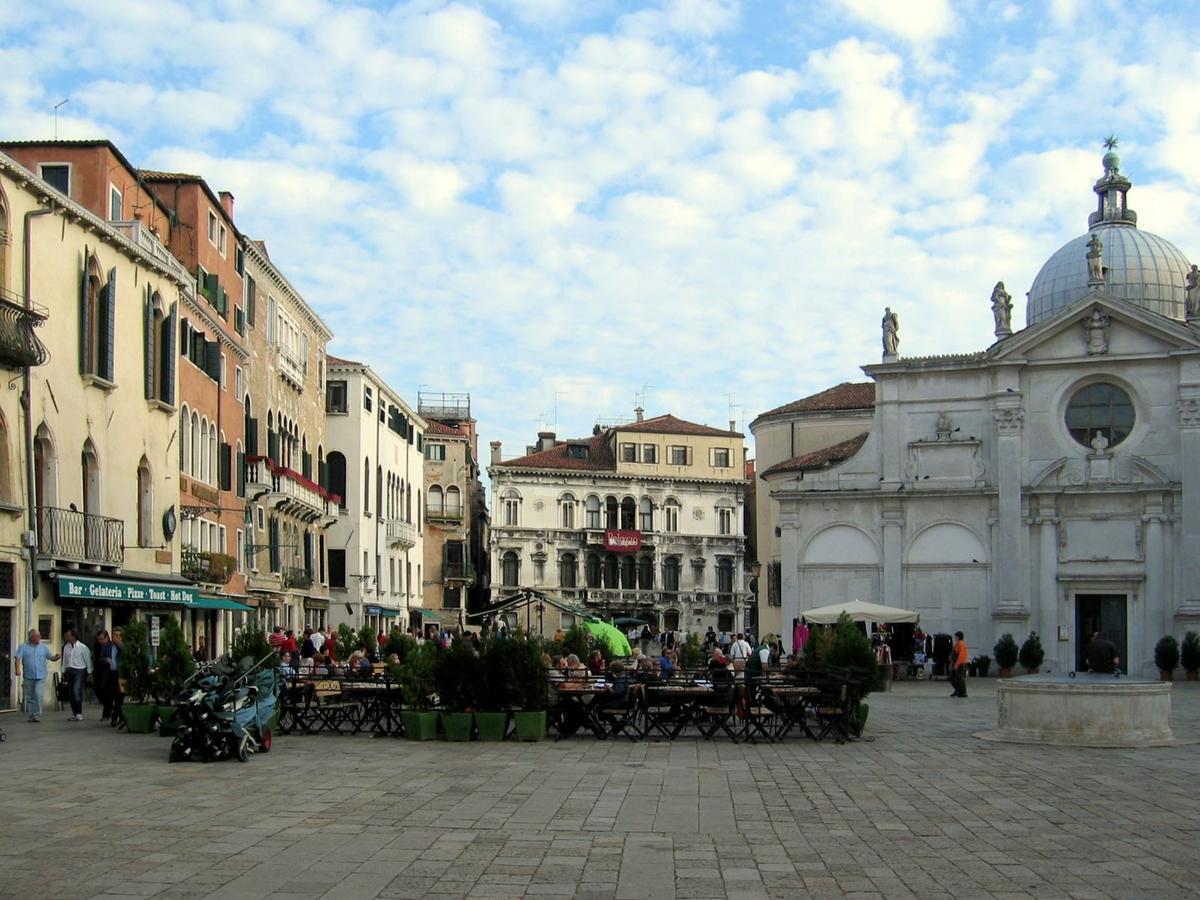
[(568, 209)]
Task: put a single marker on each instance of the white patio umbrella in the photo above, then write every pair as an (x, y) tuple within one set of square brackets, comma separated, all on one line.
[(858, 612)]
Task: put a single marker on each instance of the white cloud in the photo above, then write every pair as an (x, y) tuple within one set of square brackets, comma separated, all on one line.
[(918, 21)]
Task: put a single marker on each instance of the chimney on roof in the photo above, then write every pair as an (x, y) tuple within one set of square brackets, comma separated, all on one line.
[(733, 424), (639, 414), (495, 452), (545, 440), (227, 203)]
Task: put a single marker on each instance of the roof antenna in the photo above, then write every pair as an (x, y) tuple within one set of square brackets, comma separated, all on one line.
[(56, 106)]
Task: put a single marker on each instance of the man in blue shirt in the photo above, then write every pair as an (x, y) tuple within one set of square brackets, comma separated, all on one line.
[(30, 662)]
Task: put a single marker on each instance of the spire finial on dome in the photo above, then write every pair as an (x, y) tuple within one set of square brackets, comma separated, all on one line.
[(1111, 188)]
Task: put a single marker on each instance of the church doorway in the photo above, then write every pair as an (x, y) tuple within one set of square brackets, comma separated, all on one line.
[(1101, 612)]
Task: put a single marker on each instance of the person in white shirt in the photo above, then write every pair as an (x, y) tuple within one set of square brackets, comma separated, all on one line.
[(77, 665), (318, 640), (740, 648)]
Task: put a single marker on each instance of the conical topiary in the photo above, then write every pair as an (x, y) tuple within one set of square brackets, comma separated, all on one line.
[(1032, 654)]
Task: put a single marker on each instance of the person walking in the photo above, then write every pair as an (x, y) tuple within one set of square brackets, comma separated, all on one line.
[(103, 678), (958, 674), (77, 666), (30, 663)]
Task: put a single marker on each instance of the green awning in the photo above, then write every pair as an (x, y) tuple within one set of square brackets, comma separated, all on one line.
[(427, 615), (389, 613), (221, 603), (102, 590)]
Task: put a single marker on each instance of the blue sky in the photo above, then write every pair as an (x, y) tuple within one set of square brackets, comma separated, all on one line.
[(702, 203)]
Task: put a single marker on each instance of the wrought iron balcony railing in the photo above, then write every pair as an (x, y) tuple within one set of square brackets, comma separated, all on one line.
[(297, 578), (458, 571), (81, 537), (19, 346), (205, 567)]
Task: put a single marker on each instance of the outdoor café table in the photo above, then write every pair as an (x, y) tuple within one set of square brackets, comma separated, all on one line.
[(790, 700), (579, 699), (377, 705), (683, 700)]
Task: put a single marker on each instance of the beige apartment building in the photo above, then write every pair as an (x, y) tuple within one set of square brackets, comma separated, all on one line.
[(289, 504), (642, 520), (89, 457)]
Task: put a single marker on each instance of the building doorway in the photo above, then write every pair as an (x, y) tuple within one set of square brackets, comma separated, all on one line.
[(6, 647), (1101, 612)]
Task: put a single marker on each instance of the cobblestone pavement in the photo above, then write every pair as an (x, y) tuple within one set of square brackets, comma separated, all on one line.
[(924, 810)]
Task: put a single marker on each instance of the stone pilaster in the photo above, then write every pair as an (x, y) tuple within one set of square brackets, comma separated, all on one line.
[(1188, 409), (1010, 422)]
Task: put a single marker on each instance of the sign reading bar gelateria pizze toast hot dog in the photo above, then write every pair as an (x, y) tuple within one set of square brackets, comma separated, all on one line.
[(105, 589), (623, 541)]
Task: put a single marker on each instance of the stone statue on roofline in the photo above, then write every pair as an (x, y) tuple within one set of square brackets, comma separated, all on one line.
[(1095, 260), (1192, 302), (1002, 310), (891, 332)]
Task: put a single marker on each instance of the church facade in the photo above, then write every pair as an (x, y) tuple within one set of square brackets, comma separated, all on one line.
[(1049, 483)]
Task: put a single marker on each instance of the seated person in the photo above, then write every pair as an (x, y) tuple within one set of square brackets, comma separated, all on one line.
[(595, 663), (666, 666), (718, 671), (575, 670), (286, 669), (619, 683), (645, 671)]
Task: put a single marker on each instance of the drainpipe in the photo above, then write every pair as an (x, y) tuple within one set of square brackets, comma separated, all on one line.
[(31, 586)]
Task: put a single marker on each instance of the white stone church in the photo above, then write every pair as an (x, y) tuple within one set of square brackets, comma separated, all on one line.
[(1050, 482)]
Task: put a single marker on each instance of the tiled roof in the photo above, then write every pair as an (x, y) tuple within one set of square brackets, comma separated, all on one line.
[(820, 459), (435, 427), (845, 396), (152, 175), (600, 458), (668, 424), (338, 361)]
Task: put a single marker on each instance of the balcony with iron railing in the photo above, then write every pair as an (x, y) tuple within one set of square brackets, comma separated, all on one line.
[(75, 536), (400, 533), (289, 491), (206, 567), (444, 513), (146, 240), (19, 346), (291, 367), (458, 570), (296, 578)]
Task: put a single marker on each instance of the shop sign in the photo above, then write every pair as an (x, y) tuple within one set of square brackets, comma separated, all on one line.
[(155, 631), (101, 590), (623, 541)]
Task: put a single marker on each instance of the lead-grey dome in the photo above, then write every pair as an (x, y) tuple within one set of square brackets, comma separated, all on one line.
[(1138, 266)]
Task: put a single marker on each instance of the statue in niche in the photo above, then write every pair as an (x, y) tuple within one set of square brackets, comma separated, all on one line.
[(1095, 260), (1100, 442), (891, 332), (944, 427), (1002, 309), (1096, 326), (1193, 293)]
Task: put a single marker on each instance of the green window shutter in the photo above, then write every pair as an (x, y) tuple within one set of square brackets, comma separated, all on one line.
[(172, 355), (108, 335), (85, 319), (241, 474), (212, 360), (148, 343), (226, 467)]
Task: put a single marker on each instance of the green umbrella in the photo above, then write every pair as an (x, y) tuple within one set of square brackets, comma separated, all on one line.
[(617, 642)]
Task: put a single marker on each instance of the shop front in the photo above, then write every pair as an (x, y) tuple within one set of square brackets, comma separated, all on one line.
[(382, 618), (316, 613)]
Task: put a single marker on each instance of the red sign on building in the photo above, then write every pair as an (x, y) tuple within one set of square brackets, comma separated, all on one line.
[(623, 541)]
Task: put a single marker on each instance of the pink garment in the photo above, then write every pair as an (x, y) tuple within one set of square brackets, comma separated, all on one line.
[(799, 637)]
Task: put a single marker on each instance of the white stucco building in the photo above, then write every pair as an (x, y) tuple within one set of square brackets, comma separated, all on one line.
[(641, 520), (1048, 483), (375, 465)]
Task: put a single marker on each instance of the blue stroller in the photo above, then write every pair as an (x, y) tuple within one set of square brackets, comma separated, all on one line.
[(225, 711)]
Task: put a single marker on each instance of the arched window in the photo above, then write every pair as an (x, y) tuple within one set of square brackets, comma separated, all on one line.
[(671, 574), (670, 523), (185, 441), (610, 571), (512, 508), (566, 570), (435, 500), (646, 573), (510, 569), (628, 514), (610, 513), (593, 570), (89, 464), (366, 487), (379, 490), (671, 620), (212, 453), (45, 469), (646, 515), (724, 575), (337, 476), (145, 504), (453, 501), (567, 503), (628, 573), (592, 512), (93, 312), (6, 475), (194, 470)]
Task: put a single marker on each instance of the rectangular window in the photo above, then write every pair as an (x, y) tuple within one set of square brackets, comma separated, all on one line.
[(392, 576), (775, 584), (511, 511), (720, 457), (239, 383), (367, 399), (251, 300), (212, 228), (239, 260), (336, 398), (222, 537), (724, 521), (337, 568), (671, 518), (435, 452), (629, 453), (408, 572), (677, 456), (8, 580), (58, 176), (116, 207), (241, 550), (221, 240), (577, 451), (649, 453), (568, 514), (224, 386)]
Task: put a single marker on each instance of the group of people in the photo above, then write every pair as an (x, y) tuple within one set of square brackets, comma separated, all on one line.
[(80, 665)]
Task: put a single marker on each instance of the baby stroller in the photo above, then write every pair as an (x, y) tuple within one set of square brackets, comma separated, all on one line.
[(225, 710)]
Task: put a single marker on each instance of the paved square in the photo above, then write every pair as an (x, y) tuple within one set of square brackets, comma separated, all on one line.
[(923, 811)]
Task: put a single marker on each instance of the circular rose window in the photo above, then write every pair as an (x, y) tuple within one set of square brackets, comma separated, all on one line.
[(1103, 410)]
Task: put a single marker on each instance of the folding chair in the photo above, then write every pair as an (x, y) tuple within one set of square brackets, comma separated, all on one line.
[(758, 719), (718, 713), (624, 718), (330, 710)]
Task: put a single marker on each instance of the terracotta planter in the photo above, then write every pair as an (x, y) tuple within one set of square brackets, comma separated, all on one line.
[(1004, 672), (1166, 674)]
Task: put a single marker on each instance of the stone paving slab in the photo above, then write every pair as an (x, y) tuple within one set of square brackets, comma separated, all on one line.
[(924, 810)]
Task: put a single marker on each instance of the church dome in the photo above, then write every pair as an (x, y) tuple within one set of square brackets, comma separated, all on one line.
[(1136, 266)]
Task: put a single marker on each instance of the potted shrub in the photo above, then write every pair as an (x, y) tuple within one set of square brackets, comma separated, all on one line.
[(173, 666), (1189, 655), (456, 675), (848, 647), (1166, 657), (497, 686), (691, 652), (138, 685), (1006, 651), (399, 643), (415, 676), (529, 678), (578, 641), (1032, 654), (983, 665), (368, 642)]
